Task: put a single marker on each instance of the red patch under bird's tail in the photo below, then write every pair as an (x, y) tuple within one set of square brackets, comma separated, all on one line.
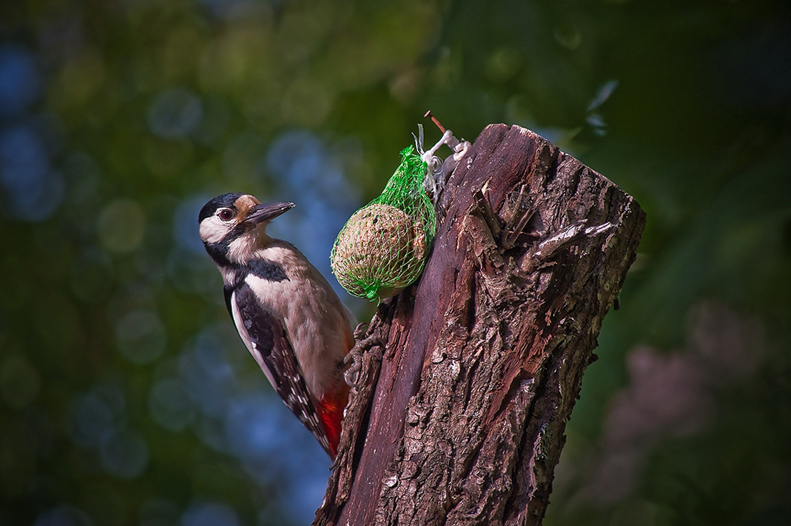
[(330, 410)]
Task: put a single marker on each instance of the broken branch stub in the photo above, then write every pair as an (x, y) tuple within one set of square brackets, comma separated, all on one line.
[(485, 354)]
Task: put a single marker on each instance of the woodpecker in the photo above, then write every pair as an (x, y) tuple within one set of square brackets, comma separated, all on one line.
[(285, 311)]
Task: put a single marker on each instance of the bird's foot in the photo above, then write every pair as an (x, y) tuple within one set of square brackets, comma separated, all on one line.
[(352, 362), (359, 331)]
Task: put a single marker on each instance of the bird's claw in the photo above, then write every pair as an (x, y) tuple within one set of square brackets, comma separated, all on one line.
[(352, 362), (359, 331)]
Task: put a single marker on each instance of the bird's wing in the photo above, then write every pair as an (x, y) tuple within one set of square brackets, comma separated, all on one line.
[(265, 337)]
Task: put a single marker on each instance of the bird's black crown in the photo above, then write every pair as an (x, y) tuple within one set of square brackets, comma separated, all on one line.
[(222, 201)]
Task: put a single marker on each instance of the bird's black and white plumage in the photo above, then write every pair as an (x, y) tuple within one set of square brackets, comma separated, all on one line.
[(286, 313)]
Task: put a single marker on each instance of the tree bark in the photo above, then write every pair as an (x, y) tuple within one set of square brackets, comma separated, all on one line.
[(484, 356)]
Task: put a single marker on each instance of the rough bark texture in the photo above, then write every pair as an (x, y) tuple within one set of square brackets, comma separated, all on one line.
[(484, 356)]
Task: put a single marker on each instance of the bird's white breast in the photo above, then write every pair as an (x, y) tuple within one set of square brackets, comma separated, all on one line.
[(317, 323)]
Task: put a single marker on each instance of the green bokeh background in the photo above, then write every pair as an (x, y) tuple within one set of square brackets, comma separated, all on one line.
[(125, 395)]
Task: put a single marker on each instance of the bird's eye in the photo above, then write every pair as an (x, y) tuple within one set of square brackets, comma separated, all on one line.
[(226, 214)]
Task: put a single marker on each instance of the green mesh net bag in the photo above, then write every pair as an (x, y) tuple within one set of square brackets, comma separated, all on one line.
[(383, 247)]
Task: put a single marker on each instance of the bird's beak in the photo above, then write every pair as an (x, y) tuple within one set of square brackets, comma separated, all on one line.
[(266, 211)]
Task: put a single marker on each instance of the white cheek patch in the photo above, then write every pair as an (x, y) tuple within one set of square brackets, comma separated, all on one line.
[(212, 230)]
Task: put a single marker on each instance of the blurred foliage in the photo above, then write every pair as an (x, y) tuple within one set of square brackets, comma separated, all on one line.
[(125, 395)]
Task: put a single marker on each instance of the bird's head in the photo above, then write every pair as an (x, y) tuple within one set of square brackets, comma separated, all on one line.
[(233, 225)]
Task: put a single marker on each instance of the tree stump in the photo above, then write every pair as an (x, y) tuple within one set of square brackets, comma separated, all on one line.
[(484, 356)]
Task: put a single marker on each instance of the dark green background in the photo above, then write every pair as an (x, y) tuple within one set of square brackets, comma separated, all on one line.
[(125, 395)]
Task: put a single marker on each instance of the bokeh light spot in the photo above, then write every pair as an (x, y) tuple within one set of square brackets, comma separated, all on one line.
[(216, 116), (92, 420), (124, 454), (207, 374), (307, 103), (503, 64), (174, 113), (251, 425), (63, 516), (33, 190), (170, 404), (141, 336), (210, 514), (121, 225), (232, 9), (79, 79), (19, 80)]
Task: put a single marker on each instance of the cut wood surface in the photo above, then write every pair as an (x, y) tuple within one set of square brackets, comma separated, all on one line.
[(484, 356)]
